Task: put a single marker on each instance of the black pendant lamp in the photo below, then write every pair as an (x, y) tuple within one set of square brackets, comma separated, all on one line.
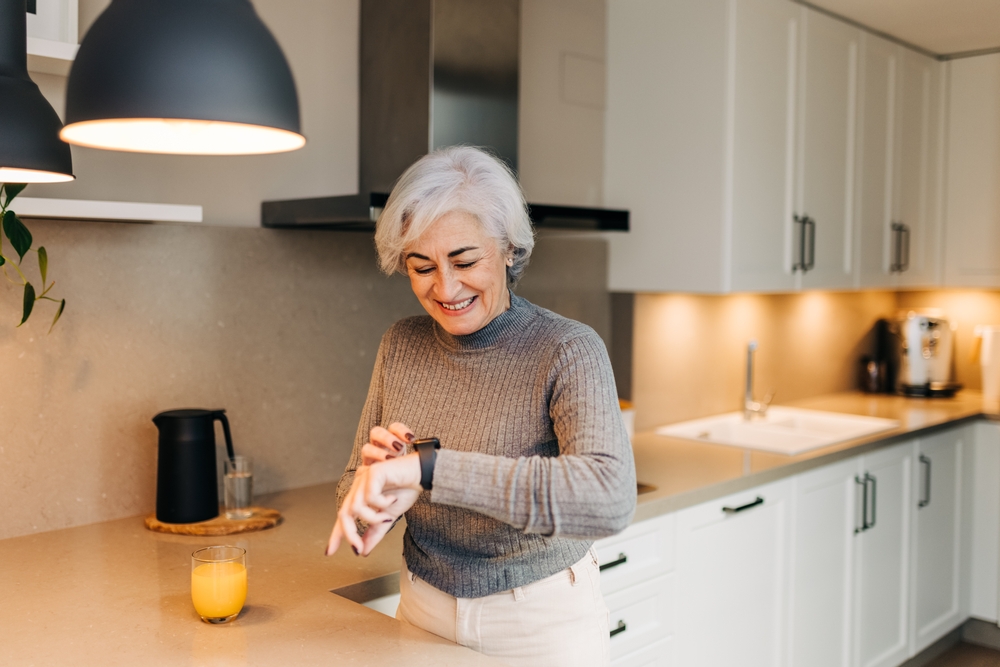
[(196, 77), (30, 149)]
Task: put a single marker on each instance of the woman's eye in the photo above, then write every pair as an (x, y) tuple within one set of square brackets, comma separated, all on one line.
[(422, 270), (466, 265)]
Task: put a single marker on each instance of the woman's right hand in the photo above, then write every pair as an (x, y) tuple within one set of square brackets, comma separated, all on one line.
[(379, 495), (385, 445)]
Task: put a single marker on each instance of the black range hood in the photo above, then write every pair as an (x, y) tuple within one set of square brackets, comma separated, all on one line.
[(433, 73)]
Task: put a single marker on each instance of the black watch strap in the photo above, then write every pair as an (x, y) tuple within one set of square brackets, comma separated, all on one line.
[(427, 450)]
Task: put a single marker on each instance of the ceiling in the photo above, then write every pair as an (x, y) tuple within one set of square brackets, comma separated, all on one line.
[(943, 27)]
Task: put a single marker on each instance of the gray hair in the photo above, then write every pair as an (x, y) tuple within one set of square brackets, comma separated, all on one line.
[(456, 178)]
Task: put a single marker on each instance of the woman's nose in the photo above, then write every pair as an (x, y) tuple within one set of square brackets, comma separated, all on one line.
[(448, 285)]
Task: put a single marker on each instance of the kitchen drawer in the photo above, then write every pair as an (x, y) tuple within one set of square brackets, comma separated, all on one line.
[(660, 654), (642, 615), (642, 551)]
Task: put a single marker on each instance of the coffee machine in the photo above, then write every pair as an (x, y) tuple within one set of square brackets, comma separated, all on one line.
[(923, 353)]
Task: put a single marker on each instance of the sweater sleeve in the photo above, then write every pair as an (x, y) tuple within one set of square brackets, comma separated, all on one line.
[(588, 491)]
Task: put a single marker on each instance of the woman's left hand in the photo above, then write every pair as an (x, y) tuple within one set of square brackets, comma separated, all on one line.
[(381, 492)]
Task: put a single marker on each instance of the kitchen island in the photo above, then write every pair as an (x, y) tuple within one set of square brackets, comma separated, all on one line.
[(115, 593)]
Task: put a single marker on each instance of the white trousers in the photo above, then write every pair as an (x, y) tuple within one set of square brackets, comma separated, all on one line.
[(558, 621)]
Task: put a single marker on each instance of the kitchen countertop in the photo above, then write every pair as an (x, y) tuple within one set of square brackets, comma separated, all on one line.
[(114, 593), (687, 473)]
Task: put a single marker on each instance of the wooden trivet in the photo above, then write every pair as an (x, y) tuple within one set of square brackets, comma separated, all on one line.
[(262, 519)]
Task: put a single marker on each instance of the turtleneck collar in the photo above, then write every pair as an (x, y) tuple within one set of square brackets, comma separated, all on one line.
[(496, 331)]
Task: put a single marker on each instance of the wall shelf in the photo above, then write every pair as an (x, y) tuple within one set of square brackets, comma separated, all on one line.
[(50, 56), (86, 209)]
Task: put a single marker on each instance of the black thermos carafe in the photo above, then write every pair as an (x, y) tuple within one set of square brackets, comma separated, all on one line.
[(187, 488)]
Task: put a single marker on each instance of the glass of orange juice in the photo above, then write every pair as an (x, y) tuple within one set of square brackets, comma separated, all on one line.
[(219, 582)]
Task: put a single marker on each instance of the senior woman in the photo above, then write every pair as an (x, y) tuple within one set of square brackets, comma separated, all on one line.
[(534, 462)]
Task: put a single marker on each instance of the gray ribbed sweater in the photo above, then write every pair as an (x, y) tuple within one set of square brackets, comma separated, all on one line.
[(534, 461)]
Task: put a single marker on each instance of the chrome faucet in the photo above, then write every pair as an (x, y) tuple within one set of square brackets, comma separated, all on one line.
[(750, 406)]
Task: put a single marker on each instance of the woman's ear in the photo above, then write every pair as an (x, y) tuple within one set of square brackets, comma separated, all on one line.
[(509, 261)]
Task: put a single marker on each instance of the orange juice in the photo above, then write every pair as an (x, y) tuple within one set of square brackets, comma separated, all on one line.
[(219, 590)]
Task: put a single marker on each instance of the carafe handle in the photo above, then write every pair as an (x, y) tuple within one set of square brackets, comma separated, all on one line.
[(221, 416)]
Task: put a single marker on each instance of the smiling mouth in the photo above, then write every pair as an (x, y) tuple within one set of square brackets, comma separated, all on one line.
[(461, 305)]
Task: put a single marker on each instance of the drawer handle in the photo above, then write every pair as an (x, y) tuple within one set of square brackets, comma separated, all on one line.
[(734, 510), (620, 628), (621, 560)]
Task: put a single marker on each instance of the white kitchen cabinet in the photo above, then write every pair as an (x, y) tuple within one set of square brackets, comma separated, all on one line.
[(640, 553), (638, 588), (826, 127), (764, 82), (877, 554), (882, 562), (918, 176), (972, 220), (876, 158), (850, 583), (666, 143), (731, 579), (897, 241), (660, 654), (981, 511), (821, 612), (641, 615), (727, 120), (937, 537)]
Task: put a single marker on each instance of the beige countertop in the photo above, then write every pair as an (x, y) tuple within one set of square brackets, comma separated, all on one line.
[(114, 593), (687, 473)]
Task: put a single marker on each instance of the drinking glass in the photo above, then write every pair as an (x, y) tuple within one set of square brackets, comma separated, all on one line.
[(219, 582), (239, 487)]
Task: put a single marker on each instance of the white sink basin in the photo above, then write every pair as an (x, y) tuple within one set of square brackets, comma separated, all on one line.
[(782, 430)]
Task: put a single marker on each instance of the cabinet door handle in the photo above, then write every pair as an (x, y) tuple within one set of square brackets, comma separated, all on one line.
[(621, 560), (904, 243), (897, 249), (618, 629), (858, 480), (734, 510), (800, 263), (900, 248), (926, 500), (810, 224), (871, 478)]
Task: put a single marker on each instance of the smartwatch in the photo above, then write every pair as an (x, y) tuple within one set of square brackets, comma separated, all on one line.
[(427, 450)]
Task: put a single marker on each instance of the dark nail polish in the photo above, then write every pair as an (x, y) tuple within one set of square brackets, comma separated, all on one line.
[(388, 521), (326, 551), (397, 445), (355, 550), (410, 437)]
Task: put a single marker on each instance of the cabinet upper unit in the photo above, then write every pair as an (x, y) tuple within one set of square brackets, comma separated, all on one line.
[(735, 134)]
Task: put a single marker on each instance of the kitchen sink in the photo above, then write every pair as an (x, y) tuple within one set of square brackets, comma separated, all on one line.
[(782, 430)]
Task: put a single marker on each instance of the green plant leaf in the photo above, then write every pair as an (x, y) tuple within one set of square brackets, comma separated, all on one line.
[(29, 302), (12, 190), (3, 260), (62, 307), (43, 264), (18, 234)]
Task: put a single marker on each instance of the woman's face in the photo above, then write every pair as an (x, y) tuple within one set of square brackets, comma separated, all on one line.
[(458, 273)]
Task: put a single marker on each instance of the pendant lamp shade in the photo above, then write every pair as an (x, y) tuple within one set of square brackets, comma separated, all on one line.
[(197, 77), (30, 149)]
